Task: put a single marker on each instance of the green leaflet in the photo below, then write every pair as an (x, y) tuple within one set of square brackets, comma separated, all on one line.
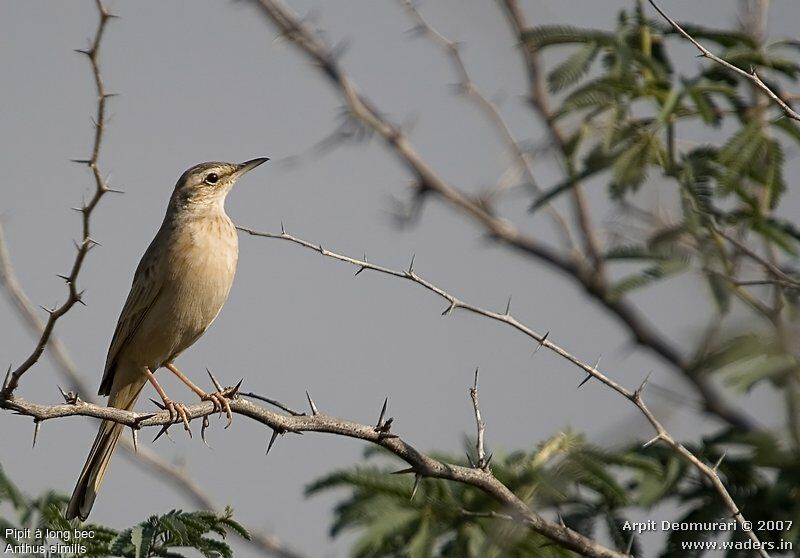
[(571, 70), (647, 277)]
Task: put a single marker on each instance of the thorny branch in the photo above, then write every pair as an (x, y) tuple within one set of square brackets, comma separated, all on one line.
[(498, 228), (752, 76), (592, 371), (421, 465), (87, 243), (143, 456)]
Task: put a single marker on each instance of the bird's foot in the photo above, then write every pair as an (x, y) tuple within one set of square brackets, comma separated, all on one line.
[(220, 401), (178, 411)]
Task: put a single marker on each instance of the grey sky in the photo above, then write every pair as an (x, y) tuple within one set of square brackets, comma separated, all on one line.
[(207, 80)]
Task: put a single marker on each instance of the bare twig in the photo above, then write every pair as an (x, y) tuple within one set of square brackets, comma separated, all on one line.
[(422, 465), (752, 76), (768, 266), (492, 112), (364, 110), (87, 243), (540, 103), (454, 303), (483, 461)]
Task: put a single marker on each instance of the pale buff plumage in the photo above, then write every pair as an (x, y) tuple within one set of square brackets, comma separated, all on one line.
[(178, 290)]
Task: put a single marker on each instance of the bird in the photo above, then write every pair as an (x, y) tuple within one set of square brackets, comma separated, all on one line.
[(178, 289)]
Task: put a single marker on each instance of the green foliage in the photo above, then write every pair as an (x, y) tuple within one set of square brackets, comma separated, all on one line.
[(563, 474), (759, 472), (630, 122), (623, 109), (636, 78), (594, 491), (166, 536)]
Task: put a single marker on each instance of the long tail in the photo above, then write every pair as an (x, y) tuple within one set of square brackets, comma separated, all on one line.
[(103, 448)]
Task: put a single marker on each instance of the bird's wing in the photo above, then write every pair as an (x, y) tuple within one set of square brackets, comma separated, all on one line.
[(147, 284)]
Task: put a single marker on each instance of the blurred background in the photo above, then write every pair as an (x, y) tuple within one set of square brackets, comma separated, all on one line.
[(207, 80)]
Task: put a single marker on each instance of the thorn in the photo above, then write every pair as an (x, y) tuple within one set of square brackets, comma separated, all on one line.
[(321, 249), (135, 434), (386, 427), (475, 385), (205, 425), (404, 471), (508, 305), (160, 406), (383, 410), (411, 265), (488, 461), (449, 308), (360, 269), (382, 426), (79, 297), (163, 431), (36, 426), (417, 478), (114, 190), (70, 397), (719, 461), (586, 379), (275, 433), (46, 309), (5, 380), (638, 393), (214, 381), (283, 229), (83, 51), (109, 95), (235, 391), (651, 442), (66, 279), (469, 459), (81, 162), (630, 544), (561, 521), (141, 418), (314, 411), (541, 342)]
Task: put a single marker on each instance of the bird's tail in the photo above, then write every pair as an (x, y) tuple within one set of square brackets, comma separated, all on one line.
[(103, 448)]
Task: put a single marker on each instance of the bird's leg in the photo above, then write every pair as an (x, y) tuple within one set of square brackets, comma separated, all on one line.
[(175, 409), (217, 398)]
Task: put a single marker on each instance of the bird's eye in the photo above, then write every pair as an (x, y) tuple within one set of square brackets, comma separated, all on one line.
[(212, 178)]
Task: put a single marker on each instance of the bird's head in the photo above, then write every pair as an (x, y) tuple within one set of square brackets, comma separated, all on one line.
[(207, 184)]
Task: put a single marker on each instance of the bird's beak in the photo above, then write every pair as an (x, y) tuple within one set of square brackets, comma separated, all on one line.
[(249, 165)]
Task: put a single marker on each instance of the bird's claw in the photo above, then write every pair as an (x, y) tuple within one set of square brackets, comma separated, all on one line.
[(220, 401), (178, 411)]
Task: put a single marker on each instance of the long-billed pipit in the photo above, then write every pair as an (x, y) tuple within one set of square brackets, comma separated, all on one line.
[(178, 289)]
